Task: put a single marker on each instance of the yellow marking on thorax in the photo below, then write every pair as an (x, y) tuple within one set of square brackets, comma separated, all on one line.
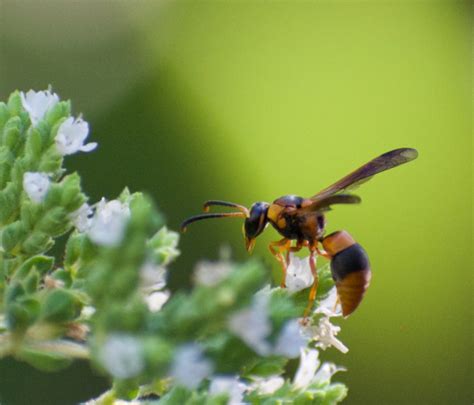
[(274, 212)]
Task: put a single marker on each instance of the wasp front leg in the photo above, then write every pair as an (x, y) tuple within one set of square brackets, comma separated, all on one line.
[(277, 249)]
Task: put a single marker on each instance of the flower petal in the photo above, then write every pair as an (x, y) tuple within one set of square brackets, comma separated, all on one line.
[(309, 363), (36, 185)]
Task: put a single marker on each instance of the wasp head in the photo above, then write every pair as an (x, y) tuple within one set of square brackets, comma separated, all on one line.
[(255, 223)]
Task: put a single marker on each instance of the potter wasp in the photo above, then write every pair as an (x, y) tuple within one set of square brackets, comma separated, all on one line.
[(303, 220)]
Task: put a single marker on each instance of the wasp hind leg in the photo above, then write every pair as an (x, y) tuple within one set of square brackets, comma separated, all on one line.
[(314, 287), (277, 249)]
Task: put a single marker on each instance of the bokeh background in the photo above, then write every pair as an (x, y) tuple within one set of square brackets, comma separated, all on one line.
[(247, 101)]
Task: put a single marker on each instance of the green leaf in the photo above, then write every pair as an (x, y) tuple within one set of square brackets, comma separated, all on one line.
[(14, 103), (22, 313), (164, 244), (41, 263), (38, 242), (72, 198), (31, 282), (51, 161), (55, 222), (13, 291), (61, 305), (13, 235), (177, 396), (34, 144), (281, 308), (30, 213), (44, 360), (266, 367), (59, 111), (9, 202), (4, 115), (126, 389), (6, 163), (12, 133)]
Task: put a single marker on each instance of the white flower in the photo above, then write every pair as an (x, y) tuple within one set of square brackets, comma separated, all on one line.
[(298, 274), (156, 300), (87, 311), (152, 277), (252, 325), (38, 103), (330, 306), (308, 372), (189, 366), (109, 222), (36, 185), (228, 385), (71, 137), (326, 371), (122, 356), (211, 273), (82, 217), (309, 363), (325, 335), (291, 340), (267, 386)]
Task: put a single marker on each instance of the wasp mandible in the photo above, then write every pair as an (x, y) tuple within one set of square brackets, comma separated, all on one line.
[(303, 220)]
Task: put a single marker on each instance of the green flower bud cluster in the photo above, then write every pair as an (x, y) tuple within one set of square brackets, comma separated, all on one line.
[(227, 340), (36, 203)]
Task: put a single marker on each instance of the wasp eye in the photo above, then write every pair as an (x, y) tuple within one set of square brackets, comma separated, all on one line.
[(257, 220)]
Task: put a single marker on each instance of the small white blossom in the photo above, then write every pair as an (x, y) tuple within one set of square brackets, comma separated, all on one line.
[(122, 356), (291, 340), (36, 185), (252, 325), (190, 366), (87, 311), (82, 217), (37, 103), (330, 306), (267, 386), (152, 277), (71, 136), (309, 363), (209, 273), (325, 335), (228, 385), (298, 274), (156, 300), (109, 222), (326, 371)]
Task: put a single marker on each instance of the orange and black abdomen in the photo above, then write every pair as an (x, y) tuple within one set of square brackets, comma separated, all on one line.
[(350, 269)]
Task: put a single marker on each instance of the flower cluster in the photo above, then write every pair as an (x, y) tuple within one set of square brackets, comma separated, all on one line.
[(228, 340)]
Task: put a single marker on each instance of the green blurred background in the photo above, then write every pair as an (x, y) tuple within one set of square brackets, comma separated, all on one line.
[(247, 101)]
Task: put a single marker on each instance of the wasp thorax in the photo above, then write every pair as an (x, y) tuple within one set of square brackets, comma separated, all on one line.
[(257, 219)]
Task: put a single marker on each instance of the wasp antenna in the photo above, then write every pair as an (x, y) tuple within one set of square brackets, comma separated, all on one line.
[(210, 203), (190, 220)]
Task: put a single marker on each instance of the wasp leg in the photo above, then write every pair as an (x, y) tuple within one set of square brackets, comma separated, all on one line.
[(314, 288), (323, 253), (277, 249), (297, 248), (338, 301)]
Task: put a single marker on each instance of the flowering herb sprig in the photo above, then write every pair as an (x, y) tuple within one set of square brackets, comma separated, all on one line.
[(227, 341)]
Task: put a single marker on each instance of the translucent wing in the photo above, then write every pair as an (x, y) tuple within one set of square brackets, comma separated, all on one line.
[(384, 162), (324, 204)]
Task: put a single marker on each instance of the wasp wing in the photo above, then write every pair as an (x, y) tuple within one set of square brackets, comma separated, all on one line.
[(364, 173), (324, 204)]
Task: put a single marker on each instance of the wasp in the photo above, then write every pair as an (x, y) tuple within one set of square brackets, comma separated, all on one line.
[(303, 220)]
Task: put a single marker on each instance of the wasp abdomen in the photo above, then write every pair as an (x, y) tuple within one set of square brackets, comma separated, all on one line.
[(350, 269)]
